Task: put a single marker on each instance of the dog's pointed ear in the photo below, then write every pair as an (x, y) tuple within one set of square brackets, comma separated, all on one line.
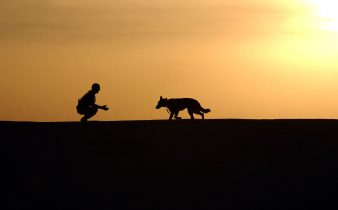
[(161, 98)]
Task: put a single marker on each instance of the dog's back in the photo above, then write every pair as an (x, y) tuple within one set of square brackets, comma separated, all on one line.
[(179, 104)]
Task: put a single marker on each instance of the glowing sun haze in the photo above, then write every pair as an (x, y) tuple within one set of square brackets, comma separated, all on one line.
[(327, 10), (241, 59)]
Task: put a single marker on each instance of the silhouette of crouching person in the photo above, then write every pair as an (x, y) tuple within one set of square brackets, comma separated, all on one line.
[(86, 105)]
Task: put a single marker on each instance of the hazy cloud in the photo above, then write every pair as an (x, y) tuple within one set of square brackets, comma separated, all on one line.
[(72, 19)]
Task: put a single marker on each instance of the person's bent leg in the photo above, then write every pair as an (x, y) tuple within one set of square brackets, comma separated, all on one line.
[(90, 112)]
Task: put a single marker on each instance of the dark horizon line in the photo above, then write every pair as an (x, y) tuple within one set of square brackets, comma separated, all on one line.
[(187, 119)]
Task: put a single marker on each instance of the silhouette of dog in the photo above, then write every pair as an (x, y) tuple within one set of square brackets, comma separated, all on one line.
[(175, 105)]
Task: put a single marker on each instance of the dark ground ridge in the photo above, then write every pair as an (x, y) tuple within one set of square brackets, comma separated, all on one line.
[(161, 164)]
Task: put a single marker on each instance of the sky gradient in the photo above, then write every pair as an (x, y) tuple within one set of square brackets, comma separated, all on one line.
[(241, 59)]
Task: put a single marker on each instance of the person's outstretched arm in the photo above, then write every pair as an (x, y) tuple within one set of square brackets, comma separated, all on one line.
[(104, 107)]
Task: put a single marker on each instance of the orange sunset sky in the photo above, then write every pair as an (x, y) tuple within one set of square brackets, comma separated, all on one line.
[(241, 59)]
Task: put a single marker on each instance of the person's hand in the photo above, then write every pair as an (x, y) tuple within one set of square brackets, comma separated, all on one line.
[(105, 108)]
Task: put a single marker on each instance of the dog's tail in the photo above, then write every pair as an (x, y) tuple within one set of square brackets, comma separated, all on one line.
[(205, 110)]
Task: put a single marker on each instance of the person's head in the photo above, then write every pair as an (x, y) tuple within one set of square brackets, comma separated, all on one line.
[(95, 87)]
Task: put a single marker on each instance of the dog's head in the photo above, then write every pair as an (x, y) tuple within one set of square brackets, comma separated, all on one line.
[(161, 103)]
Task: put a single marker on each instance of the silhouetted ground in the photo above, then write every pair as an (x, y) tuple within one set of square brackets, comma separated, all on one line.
[(211, 164)]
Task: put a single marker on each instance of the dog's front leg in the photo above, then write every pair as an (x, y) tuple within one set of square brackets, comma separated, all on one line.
[(171, 115), (176, 116)]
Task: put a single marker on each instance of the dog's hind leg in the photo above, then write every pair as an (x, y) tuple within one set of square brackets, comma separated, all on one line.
[(191, 113), (202, 115), (176, 116), (199, 113)]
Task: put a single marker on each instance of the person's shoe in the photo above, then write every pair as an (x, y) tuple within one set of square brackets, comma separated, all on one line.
[(83, 120)]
